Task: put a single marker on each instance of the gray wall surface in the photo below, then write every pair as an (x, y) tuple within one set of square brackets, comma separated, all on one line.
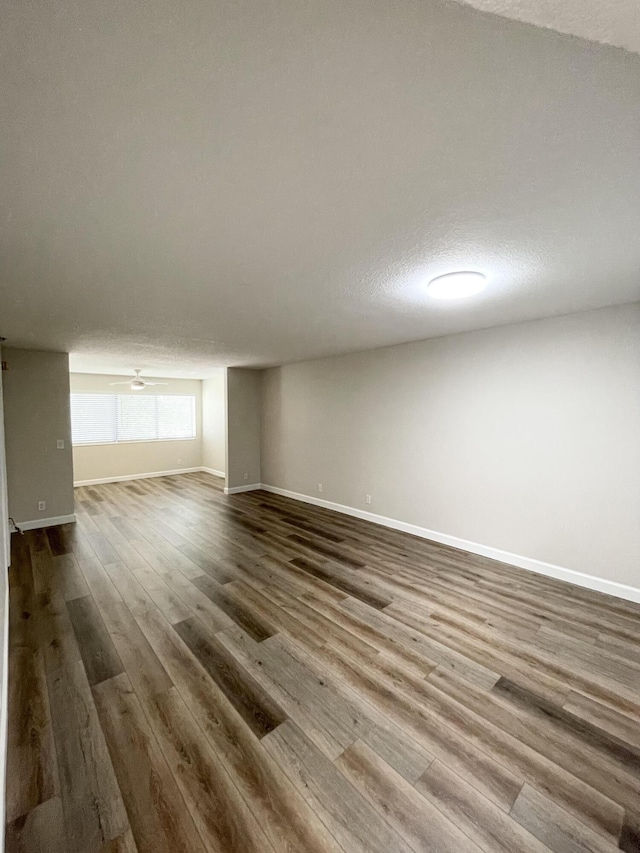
[(243, 427), (524, 438), (36, 415), (214, 422)]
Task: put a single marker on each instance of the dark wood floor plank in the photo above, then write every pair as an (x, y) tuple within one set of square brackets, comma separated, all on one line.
[(392, 744), (274, 614), (122, 844), (248, 620), (432, 731), (207, 563), (99, 581), (99, 655), (411, 655), (301, 524), (91, 799), (626, 756), (160, 822), (603, 662), (69, 577), (586, 754), (489, 654), (319, 711), (619, 726), (474, 814), (418, 821), (317, 623), (102, 548), (162, 556), (330, 686), (508, 751), (257, 708), (58, 541), (126, 528), (140, 662), (200, 605), (119, 543), (160, 593), (31, 754), (430, 646), (630, 833), (41, 559), (41, 830), (217, 807), (351, 588), (285, 817), (556, 828), (350, 817), (20, 570), (332, 553), (130, 589)]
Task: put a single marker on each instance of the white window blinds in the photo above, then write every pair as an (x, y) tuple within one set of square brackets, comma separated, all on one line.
[(110, 418)]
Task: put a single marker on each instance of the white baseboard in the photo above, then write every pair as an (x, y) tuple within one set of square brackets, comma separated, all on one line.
[(620, 590), (234, 490), (213, 471), (124, 477), (45, 522)]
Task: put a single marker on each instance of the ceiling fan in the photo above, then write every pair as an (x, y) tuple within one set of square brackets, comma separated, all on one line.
[(137, 383)]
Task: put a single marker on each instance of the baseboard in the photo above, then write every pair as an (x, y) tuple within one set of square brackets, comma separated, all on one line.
[(45, 522), (234, 490), (619, 590), (124, 477), (213, 471)]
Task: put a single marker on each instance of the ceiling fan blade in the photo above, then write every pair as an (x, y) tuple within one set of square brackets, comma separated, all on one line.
[(156, 383), (128, 382)]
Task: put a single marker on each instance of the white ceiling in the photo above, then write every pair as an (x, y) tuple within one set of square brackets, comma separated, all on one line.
[(615, 22), (258, 181)]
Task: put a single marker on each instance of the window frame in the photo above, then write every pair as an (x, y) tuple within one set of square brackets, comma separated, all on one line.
[(117, 441)]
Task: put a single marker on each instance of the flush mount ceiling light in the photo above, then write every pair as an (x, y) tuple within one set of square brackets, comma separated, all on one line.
[(456, 285)]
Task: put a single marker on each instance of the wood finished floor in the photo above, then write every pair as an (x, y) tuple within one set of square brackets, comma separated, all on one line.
[(193, 672)]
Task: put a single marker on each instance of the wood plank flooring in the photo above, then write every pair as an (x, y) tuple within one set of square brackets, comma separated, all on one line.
[(195, 672)]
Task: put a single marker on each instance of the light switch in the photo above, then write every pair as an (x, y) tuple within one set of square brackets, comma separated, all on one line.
[(60, 443)]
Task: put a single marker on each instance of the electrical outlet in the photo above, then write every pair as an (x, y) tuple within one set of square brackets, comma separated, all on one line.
[(60, 444), (246, 475), (367, 499), (319, 487), (42, 505)]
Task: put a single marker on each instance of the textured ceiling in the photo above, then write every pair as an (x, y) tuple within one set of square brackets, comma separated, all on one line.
[(615, 22), (250, 182)]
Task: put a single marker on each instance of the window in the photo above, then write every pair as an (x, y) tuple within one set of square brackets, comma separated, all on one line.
[(111, 418)]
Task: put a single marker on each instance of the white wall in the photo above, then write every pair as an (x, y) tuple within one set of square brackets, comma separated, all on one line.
[(5, 536), (36, 415), (243, 397), (103, 461), (214, 422), (524, 438), (4, 619)]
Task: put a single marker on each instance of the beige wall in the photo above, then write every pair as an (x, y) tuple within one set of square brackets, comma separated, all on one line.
[(5, 545), (243, 427), (36, 415), (101, 461), (4, 617), (214, 422), (524, 438)]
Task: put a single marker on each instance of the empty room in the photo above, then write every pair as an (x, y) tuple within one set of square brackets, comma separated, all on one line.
[(320, 427)]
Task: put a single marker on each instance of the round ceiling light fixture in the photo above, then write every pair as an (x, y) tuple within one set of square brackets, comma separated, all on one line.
[(456, 285)]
